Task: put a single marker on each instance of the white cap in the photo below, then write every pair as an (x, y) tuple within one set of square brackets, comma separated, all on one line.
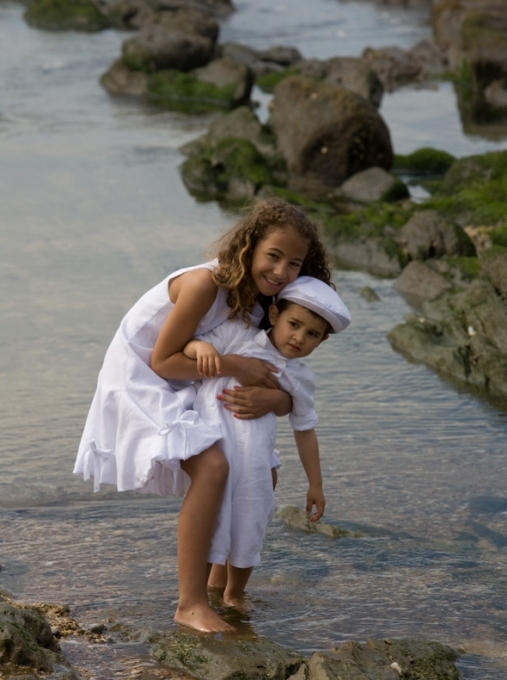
[(320, 298)]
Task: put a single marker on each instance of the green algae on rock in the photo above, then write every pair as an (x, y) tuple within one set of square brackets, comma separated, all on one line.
[(424, 161), (208, 658), (230, 169), (66, 15), (180, 91)]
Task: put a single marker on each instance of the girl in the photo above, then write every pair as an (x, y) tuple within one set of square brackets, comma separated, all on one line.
[(135, 434)]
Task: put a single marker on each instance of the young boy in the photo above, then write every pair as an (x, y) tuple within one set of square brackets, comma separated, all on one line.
[(306, 311)]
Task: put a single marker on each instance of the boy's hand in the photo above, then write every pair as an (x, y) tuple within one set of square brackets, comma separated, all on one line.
[(208, 360), (315, 497)]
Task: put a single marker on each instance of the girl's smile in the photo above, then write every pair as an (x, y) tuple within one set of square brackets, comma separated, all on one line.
[(277, 260)]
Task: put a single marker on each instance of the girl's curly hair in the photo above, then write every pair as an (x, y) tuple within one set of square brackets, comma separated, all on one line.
[(235, 250)]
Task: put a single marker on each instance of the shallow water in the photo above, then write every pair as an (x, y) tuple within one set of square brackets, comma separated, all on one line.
[(92, 213)]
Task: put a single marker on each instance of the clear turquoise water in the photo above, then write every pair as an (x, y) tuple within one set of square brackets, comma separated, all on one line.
[(92, 213)]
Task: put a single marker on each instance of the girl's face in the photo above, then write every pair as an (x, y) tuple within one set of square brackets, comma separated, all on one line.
[(277, 260)]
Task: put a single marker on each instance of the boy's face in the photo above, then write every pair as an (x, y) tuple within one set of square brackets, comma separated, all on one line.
[(296, 331)]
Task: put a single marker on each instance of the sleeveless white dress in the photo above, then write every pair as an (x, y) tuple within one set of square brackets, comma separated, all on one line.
[(140, 426)]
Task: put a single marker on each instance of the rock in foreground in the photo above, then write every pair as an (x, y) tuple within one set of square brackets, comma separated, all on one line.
[(207, 658)]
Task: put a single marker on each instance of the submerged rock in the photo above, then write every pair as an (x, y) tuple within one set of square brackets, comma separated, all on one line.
[(296, 518)]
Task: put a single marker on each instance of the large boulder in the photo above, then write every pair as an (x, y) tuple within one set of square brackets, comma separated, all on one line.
[(474, 35), (428, 235), (462, 336), (350, 72), (327, 133), (157, 47)]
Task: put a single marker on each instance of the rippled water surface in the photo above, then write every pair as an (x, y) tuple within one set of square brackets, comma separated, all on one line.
[(92, 213)]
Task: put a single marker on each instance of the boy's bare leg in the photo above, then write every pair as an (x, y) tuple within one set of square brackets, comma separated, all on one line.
[(208, 472), (218, 576), (237, 580)]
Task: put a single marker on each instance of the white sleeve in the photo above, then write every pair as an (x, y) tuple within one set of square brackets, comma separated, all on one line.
[(228, 336), (303, 415)]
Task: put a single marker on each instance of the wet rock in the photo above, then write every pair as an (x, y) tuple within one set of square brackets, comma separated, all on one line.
[(419, 281), (156, 47), (120, 80), (369, 294), (474, 35), (368, 254), (327, 133), (67, 15), (135, 13), (227, 74), (428, 235), (372, 185), (207, 658), (396, 67), (252, 659), (352, 73), (26, 641), (385, 660), (461, 335), (298, 519), (230, 169)]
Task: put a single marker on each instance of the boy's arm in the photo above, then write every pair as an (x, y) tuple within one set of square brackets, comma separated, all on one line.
[(207, 357), (308, 450)]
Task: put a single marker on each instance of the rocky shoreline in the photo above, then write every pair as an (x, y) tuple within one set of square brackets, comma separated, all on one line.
[(30, 637), (326, 147)]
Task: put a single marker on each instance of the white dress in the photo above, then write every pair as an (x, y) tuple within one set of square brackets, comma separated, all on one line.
[(248, 502), (139, 424)]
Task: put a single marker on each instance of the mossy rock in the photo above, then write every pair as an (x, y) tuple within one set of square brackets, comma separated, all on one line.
[(473, 192), (183, 92), (218, 170), (468, 267), (66, 15), (207, 658), (269, 81), (424, 161)]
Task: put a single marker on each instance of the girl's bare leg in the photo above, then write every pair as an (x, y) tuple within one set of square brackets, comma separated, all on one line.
[(237, 580), (208, 472)]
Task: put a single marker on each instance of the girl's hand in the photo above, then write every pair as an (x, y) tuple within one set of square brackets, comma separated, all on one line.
[(247, 403), (315, 497), (208, 360)]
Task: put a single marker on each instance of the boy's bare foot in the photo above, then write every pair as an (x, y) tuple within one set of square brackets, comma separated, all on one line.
[(242, 604), (203, 619)]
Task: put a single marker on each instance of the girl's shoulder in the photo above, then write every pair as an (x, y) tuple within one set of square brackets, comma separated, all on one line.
[(197, 280)]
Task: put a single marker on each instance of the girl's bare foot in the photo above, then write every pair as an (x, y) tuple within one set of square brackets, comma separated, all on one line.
[(203, 619)]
